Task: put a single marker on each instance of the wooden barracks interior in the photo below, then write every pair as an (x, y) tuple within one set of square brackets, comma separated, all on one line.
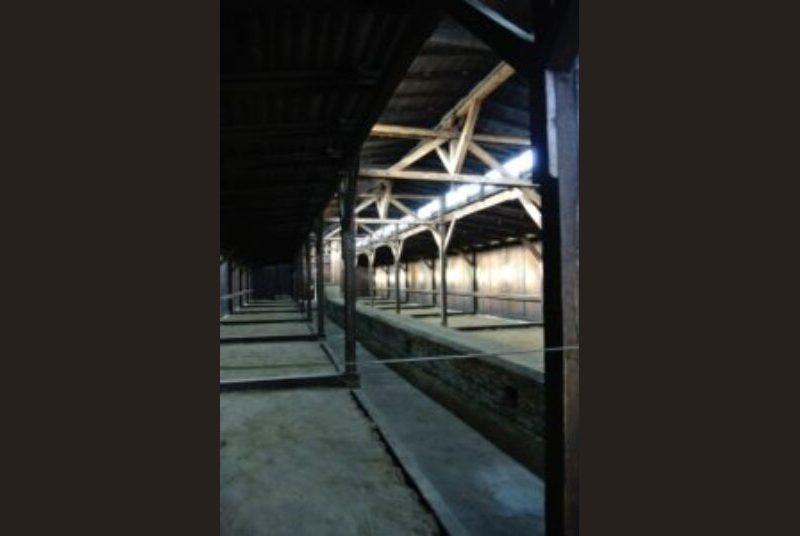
[(399, 267)]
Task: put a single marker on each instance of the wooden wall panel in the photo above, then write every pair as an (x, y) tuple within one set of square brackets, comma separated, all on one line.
[(510, 270)]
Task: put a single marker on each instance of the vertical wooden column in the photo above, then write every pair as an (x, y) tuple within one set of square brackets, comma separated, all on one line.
[(245, 285), (227, 305), (397, 251), (320, 285), (347, 221), (433, 279), (371, 272), (408, 294), (243, 297), (564, 88), (443, 260), (307, 283), (301, 275), (554, 137), (474, 282), (294, 280), (239, 298), (341, 265), (234, 286), (249, 296)]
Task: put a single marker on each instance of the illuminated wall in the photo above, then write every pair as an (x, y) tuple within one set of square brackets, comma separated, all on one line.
[(506, 271)]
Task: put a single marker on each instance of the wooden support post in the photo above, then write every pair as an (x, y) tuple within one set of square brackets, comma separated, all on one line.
[(239, 279), (408, 296), (554, 136), (245, 285), (243, 297), (432, 267), (298, 281), (246, 296), (474, 282), (397, 286), (307, 284), (320, 285), (347, 216), (443, 259), (371, 272), (234, 287), (240, 297), (564, 93), (229, 280), (397, 251)]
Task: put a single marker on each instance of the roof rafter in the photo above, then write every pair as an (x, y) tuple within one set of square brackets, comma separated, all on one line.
[(443, 177)]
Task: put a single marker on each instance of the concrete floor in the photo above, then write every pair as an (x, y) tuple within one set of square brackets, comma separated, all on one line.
[(308, 462), (519, 338), (265, 330), (304, 461), (270, 360), (508, 339), (270, 316), (473, 486)]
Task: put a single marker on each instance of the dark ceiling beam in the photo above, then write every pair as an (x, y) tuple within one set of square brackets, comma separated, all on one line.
[(509, 41), (439, 76), (319, 6), (419, 25), (255, 163), (314, 128), (279, 81), (557, 24), (276, 204), (264, 198)]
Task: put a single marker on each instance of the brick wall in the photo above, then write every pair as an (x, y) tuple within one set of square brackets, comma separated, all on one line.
[(500, 400)]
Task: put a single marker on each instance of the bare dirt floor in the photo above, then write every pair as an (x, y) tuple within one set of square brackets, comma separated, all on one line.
[(308, 462)]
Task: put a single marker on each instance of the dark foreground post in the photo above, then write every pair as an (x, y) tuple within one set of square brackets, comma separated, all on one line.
[(307, 282), (320, 283), (347, 220)]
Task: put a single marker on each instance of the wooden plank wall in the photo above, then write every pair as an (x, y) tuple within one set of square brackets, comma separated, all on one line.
[(384, 282), (507, 270), (334, 274)]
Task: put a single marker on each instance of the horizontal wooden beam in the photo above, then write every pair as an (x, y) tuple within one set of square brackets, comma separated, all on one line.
[(384, 221), (385, 130), (442, 177), (418, 197), (466, 210)]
